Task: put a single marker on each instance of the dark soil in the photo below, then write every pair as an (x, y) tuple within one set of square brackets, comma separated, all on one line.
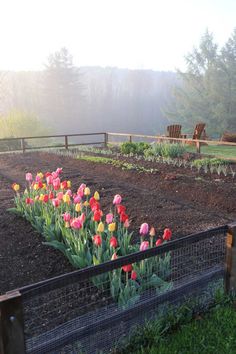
[(171, 197)]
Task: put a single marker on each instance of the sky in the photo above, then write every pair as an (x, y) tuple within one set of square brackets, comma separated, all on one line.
[(135, 34)]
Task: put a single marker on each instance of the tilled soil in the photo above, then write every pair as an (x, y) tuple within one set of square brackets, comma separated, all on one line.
[(170, 197)]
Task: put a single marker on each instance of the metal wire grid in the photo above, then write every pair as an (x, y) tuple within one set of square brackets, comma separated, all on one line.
[(88, 307)]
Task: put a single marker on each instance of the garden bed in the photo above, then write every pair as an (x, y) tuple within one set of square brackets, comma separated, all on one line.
[(169, 197)]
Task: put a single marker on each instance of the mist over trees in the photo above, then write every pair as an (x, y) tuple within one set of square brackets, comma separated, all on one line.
[(67, 99), (208, 89)]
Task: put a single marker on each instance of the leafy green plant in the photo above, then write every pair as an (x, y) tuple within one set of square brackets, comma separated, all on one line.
[(166, 150), (134, 148)]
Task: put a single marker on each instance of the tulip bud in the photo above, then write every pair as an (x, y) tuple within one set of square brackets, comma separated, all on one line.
[(87, 191), (114, 256), (96, 196), (152, 232), (78, 207), (15, 187), (100, 227), (133, 275), (112, 227)]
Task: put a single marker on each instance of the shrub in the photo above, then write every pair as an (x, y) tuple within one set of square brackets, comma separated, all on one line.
[(134, 148), (166, 150)]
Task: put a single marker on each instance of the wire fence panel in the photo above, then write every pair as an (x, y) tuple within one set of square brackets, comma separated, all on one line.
[(98, 308)]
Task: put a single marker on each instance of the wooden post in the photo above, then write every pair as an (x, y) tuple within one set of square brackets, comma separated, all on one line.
[(66, 142), (130, 138), (11, 324), (23, 145), (230, 264), (198, 146), (105, 139)]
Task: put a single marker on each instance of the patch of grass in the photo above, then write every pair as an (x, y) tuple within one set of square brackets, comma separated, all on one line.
[(212, 334), (225, 152)]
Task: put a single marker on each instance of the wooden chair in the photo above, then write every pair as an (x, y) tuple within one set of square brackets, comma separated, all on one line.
[(199, 130), (174, 131)]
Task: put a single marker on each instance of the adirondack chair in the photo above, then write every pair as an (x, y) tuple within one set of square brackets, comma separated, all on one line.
[(174, 131), (199, 130)]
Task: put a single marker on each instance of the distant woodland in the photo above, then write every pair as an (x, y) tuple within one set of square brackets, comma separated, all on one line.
[(63, 98)]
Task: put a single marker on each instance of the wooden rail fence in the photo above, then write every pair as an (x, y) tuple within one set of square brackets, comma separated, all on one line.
[(105, 139)]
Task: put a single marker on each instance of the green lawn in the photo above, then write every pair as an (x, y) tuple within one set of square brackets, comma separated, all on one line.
[(226, 152), (213, 334)]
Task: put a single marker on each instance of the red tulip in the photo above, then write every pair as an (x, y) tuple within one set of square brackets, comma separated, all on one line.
[(97, 215), (113, 242), (127, 268), (159, 242), (63, 184), (56, 202), (167, 234), (121, 209), (97, 240), (45, 198), (133, 275), (29, 201), (123, 217), (95, 206), (51, 195), (92, 201)]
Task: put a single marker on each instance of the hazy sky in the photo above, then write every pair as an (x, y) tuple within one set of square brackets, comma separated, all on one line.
[(143, 34)]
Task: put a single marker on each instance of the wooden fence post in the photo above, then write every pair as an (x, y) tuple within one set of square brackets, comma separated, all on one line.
[(66, 142), (11, 324), (198, 146), (23, 145), (105, 139), (130, 138), (230, 265)]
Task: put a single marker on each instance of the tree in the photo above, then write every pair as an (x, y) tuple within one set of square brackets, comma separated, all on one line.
[(63, 91)]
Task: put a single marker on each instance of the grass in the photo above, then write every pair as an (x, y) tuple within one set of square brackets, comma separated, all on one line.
[(225, 152), (213, 334)]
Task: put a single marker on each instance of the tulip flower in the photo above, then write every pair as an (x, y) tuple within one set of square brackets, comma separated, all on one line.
[(144, 229), (96, 195), (77, 199), (15, 187), (56, 183), (29, 201), (117, 199), (66, 198), (78, 207), (123, 217), (41, 197), (59, 170), (87, 191), (40, 184), (126, 223), (68, 184), (45, 198), (82, 218), (159, 242), (127, 268), (109, 218), (95, 207), (100, 227), (167, 234), (97, 215), (86, 203), (133, 275), (152, 232), (63, 184), (144, 246), (56, 202), (75, 223), (97, 240), (121, 209), (54, 175), (114, 256), (49, 180), (28, 177), (66, 217), (113, 242), (51, 195), (112, 227)]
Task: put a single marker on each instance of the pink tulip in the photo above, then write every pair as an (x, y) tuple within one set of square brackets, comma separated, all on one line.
[(117, 199), (69, 192), (60, 195), (56, 202), (126, 223), (82, 218), (109, 218), (59, 170), (144, 229), (77, 199), (29, 201), (144, 246), (54, 175), (66, 217), (37, 179), (49, 180), (56, 183), (28, 177), (76, 223)]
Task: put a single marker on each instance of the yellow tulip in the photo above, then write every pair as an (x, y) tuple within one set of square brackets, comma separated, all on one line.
[(78, 207), (40, 175), (86, 191), (36, 186), (44, 186), (16, 187), (96, 195), (112, 227), (100, 227), (66, 198), (41, 197), (86, 203), (68, 184)]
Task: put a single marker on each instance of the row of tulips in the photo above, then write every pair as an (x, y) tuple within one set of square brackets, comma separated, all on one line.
[(75, 224)]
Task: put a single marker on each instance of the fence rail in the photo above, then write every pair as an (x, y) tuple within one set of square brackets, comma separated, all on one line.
[(75, 312), (106, 136)]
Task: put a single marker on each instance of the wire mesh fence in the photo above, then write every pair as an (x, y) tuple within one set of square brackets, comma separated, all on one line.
[(96, 309)]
